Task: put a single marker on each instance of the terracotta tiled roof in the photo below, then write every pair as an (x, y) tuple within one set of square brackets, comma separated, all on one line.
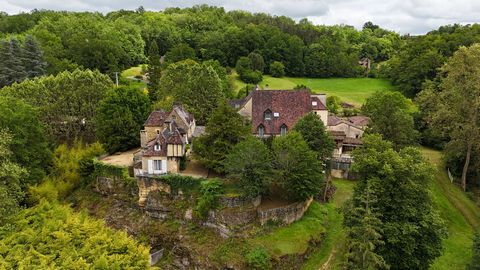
[(319, 106), (156, 119), (150, 148), (286, 107), (333, 120), (359, 120)]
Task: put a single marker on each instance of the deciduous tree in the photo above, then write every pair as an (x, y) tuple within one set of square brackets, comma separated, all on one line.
[(299, 171), (224, 130), (250, 163), (391, 116), (453, 106), (119, 118)]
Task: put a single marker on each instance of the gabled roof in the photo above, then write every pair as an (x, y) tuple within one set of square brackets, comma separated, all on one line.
[(287, 107), (156, 119), (236, 103), (359, 120), (319, 106)]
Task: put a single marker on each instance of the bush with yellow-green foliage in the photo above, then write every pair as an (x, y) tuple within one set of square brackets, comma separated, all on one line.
[(65, 175), (52, 236)]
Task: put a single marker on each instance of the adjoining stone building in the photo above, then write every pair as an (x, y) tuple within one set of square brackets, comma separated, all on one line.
[(275, 112), (163, 141)]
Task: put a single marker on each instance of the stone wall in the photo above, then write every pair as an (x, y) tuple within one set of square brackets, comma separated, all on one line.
[(239, 201), (285, 214), (147, 185)]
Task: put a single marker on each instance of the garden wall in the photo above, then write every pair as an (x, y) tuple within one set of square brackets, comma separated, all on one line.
[(285, 214)]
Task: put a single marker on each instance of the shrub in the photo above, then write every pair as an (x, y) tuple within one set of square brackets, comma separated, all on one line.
[(252, 76), (210, 191), (258, 258), (277, 69)]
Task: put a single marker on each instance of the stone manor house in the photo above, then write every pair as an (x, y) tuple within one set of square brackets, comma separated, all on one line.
[(166, 135)]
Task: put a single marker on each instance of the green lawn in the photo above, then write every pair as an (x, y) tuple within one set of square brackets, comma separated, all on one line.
[(131, 72), (332, 248), (295, 238), (460, 214), (352, 90)]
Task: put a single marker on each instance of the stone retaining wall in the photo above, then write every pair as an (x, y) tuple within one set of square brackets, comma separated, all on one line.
[(239, 201), (285, 214), (146, 185)]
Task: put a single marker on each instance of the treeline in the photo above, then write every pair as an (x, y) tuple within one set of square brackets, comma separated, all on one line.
[(121, 39)]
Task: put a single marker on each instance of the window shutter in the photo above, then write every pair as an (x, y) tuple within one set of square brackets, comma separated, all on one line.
[(150, 166), (164, 166)]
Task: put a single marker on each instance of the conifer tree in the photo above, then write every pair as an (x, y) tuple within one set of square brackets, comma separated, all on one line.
[(33, 58), (17, 65), (154, 71), (5, 63)]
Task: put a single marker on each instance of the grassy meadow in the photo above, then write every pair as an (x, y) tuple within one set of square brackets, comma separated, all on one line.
[(352, 90)]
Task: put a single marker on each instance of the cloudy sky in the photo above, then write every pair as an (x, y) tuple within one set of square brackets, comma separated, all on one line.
[(403, 16)]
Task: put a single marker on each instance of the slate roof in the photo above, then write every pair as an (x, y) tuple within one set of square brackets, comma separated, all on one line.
[(286, 106), (236, 103)]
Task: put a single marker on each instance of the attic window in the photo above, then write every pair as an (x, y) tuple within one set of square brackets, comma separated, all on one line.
[(157, 147), (276, 114), (314, 103), (267, 115)]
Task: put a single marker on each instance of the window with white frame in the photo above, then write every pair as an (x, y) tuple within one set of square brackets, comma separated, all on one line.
[(267, 115), (261, 130), (157, 147), (283, 130), (157, 165)]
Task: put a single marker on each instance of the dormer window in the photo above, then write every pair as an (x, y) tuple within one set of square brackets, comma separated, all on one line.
[(283, 130), (157, 147), (314, 103), (261, 130), (267, 115)]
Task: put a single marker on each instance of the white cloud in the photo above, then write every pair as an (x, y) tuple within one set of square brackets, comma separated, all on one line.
[(404, 16)]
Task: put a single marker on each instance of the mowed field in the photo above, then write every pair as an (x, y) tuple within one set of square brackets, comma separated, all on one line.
[(352, 90)]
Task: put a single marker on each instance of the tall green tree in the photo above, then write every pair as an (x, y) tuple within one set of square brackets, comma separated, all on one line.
[(391, 115), (250, 163), (365, 235), (453, 106), (33, 60), (27, 143), (119, 118), (197, 86), (257, 61), (154, 71), (224, 130), (299, 171), (179, 53), (411, 229), (315, 134), (66, 102)]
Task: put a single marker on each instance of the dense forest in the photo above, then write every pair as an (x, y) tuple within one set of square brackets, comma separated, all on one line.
[(59, 108)]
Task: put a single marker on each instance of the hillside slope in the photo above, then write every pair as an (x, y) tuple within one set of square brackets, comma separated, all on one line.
[(461, 215)]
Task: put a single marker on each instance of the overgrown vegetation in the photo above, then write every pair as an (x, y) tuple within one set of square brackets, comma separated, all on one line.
[(51, 235)]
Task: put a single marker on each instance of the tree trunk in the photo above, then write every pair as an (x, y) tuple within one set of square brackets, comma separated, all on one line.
[(465, 167)]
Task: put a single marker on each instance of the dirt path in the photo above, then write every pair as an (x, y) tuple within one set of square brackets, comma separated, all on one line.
[(123, 159)]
